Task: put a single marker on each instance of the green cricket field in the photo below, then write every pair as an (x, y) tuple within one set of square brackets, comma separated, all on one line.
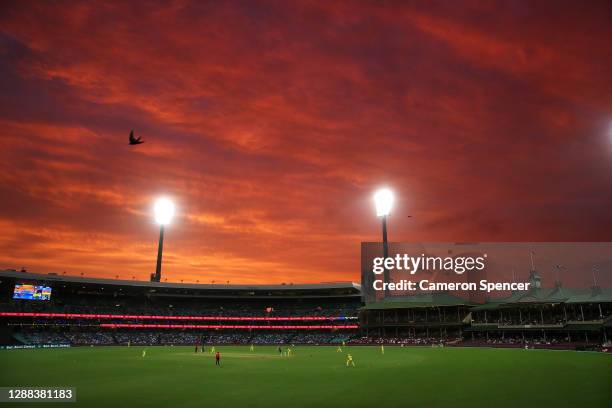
[(313, 377)]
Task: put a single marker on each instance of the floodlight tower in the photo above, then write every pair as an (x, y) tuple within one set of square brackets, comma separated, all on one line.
[(164, 211), (384, 201)]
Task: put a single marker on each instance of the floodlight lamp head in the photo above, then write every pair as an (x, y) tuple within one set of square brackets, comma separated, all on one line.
[(164, 211), (384, 202)]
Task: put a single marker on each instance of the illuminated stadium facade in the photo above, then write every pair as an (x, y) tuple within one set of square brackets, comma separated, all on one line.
[(83, 311), (539, 317), (105, 311)]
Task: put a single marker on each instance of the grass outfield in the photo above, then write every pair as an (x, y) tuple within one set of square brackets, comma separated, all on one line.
[(315, 377)]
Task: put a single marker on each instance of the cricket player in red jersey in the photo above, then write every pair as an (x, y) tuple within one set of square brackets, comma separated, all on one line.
[(218, 359)]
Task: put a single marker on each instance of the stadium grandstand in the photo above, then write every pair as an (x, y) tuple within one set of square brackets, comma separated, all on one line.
[(424, 318), (37, 309), (51, 309), (555, 317)]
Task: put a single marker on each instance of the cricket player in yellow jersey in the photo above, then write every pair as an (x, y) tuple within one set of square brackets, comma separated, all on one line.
[(349, 361), (382, 349)]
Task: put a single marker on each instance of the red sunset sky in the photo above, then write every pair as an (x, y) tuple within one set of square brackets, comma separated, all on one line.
[(271, 124)]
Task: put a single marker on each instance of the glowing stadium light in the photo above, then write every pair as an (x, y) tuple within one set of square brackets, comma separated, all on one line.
[(164, 211), (384, 201)]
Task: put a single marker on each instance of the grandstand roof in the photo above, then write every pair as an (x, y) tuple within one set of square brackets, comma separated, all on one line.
[(499, 302), (487, 306), (418, 300), (558, 294), (542, 295), (350, 288), (593, 295)]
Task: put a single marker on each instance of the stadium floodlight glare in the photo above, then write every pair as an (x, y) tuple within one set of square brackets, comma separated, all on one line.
[(384, 201), (164, 211)]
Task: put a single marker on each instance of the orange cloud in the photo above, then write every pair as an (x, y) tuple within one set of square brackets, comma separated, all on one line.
[(270, 125)]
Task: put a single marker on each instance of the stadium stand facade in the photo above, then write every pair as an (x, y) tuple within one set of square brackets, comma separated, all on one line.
[(538, 318), (85, 311)]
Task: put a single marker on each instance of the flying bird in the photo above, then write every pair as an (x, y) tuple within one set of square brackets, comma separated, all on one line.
[(133, 140)]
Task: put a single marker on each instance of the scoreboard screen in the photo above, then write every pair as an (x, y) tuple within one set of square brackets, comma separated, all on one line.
[(31, 292)]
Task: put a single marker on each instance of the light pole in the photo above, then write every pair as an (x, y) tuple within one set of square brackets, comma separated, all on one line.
[(384, 201), (164, 211)]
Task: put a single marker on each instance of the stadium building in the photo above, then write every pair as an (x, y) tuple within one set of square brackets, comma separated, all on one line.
[(37, 309), (555, 317), (52, 309), (548, 317), (424, 318)]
